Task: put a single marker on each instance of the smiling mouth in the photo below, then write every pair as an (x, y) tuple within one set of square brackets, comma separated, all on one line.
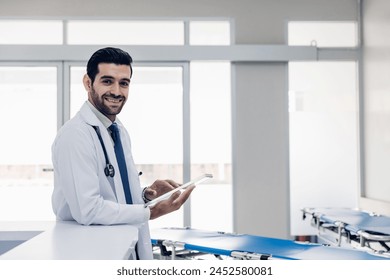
[(114, 99)]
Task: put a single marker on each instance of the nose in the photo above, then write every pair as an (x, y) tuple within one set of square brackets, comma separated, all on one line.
[(115, 89)]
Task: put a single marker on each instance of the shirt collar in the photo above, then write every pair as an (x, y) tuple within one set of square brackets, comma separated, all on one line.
[(105, 121)]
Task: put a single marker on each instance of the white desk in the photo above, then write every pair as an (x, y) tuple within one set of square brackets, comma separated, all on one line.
[(69, 241)]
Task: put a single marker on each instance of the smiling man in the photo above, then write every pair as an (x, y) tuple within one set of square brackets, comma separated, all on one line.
[(110, 90), (95, 178)]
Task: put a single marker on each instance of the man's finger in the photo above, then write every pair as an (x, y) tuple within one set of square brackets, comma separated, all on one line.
[(172, 183), (184, 195)]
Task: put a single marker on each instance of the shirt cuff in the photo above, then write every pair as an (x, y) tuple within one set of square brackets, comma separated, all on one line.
[(147, 213)]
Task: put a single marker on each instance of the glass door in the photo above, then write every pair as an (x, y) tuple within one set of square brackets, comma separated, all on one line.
[(324, 122), (179, 132), (153, 116), (28, 119)]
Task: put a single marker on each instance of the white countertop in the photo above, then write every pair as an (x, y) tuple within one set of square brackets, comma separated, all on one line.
[(69, 241)]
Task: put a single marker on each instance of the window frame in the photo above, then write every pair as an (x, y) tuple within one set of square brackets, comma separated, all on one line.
[(66, 55)]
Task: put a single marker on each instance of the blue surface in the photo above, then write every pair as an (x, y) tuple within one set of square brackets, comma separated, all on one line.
[(224, 244), (354, 219)]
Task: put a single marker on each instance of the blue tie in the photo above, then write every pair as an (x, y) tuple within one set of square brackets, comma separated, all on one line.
[(120, 158)]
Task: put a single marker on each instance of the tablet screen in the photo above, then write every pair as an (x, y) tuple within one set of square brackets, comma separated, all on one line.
[(195, 181)]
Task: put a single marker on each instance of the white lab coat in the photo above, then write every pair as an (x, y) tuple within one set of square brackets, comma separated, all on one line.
[(82, 191)]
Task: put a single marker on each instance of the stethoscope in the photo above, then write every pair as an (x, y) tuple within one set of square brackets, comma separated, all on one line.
[(109, 169)]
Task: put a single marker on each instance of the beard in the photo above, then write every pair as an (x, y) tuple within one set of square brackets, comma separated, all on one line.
[(108, 104)]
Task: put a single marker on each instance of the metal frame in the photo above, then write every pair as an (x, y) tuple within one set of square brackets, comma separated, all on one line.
[(233, 53), (65, 114), (338, 233), (175, 250)]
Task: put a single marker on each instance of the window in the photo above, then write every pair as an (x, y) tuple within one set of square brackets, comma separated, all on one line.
[(323, 105), (154, 117), (211, 145), (31, 32), (210, 33), (114, 32), (28, 121), (158, 91), (125, 32), (322, 34), (188, 103)]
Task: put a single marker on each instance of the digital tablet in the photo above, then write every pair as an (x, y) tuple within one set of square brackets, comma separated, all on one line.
[(195, 181)]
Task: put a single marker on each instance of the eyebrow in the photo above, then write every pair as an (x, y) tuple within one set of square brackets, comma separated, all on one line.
[(111, 77)]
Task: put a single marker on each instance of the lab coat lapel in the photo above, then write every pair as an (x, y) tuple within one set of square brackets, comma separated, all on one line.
[(91, 119)]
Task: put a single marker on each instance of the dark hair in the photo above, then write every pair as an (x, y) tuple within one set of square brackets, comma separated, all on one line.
[(107, 55)]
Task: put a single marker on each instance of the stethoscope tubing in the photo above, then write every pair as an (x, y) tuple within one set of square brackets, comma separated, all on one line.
[(109, 169)]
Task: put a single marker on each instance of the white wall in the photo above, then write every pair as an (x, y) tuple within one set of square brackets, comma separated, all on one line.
[(261, 175), (376, 39), (261, 195)]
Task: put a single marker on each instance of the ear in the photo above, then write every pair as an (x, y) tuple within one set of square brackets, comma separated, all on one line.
[(87, 83)]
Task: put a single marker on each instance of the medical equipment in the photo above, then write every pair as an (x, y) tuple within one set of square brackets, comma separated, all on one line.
[(344, 227), (187, 243), (109, 169)]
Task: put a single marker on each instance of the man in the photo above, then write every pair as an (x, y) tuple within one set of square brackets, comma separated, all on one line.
[(95, 178)]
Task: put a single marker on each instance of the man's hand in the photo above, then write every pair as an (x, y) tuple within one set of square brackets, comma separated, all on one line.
[(160, 187), (171, 204)]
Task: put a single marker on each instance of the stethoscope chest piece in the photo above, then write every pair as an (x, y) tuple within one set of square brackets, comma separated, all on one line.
[(109, 170)]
